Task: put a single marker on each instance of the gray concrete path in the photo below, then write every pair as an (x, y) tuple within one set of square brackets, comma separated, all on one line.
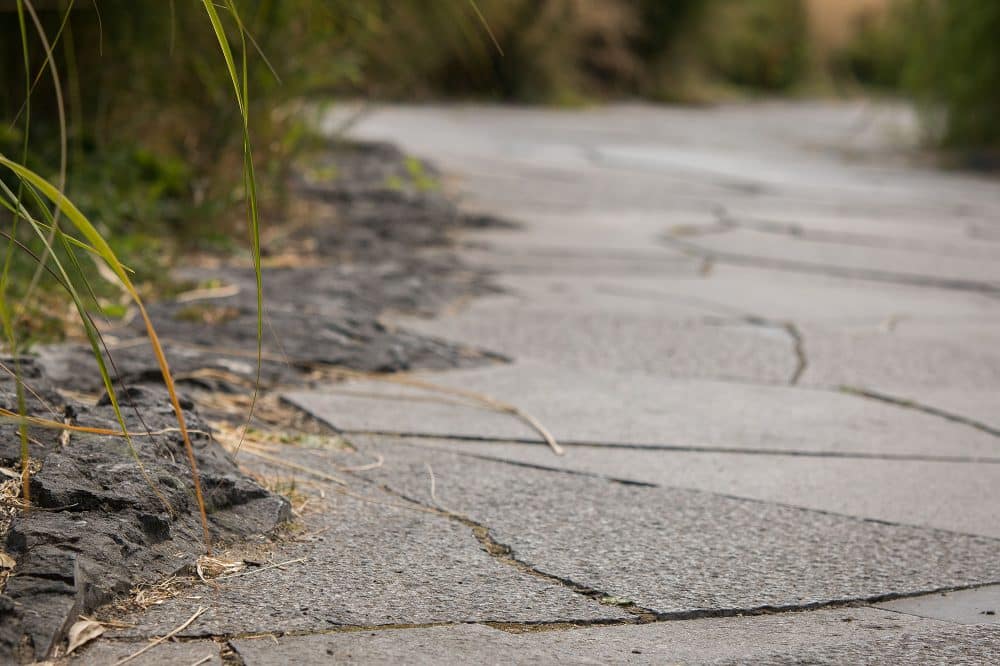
[(771, 349)]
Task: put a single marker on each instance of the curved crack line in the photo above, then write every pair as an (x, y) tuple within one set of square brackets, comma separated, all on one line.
[(906, 403), (795, 266), (854, 239), (699, 491), (684, 448), (799, 346), (505, 554), (642, 615), (797, 339)]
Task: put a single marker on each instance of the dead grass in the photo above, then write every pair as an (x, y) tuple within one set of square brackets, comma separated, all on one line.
[(833, 22)]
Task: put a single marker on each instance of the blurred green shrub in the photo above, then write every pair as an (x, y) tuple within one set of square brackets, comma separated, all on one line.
[(954, 68), (553, 51), (878, 51), (759, 44), (155, 135)]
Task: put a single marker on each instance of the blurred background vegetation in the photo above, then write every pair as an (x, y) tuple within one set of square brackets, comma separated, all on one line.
[(154, 136)]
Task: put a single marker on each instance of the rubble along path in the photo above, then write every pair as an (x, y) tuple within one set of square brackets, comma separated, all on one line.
[(770, 347)]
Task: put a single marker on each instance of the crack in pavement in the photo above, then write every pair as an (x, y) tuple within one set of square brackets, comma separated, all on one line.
[(503, 553), (799, 345), (869, 274), (225, 639), (793, 331), (906, 403), (727, 221), (741, 498), (789, 327), (854, 239), (903, 457)]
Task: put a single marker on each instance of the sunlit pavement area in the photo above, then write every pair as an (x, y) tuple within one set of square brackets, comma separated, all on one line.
[(768, 340)]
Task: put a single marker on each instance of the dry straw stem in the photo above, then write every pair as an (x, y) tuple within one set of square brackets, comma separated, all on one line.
[(161, 639), (100, 245), (38, 422), (277, 460), (478, 398)]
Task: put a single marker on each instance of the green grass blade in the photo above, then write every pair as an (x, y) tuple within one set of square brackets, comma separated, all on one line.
[(84, 226), (240, 82), (93, 335)]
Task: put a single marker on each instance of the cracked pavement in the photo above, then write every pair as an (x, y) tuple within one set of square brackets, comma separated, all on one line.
[(771, 349)]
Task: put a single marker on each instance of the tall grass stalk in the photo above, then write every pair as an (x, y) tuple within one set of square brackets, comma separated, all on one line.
[(240, 83), (40, 204)]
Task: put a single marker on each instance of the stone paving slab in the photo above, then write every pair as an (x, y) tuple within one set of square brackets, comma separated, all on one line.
[(556, 261), (371, 562), (104, 652), (841, 257), (620, 342), (637, 409), (914, 230), (841, 636), (681, 551), (627, 231), (978, 404), (817, 299), (950, 241), (978, 606), (909, 357), (965, 495), (589, 293)]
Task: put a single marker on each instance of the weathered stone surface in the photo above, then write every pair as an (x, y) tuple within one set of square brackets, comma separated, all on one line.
[(105, 652), (101, 524), (373, 561), (849, 635), (798, 254), (639, 409), (908, 356), (887, 272), (682, 551), (965, 494), (648, 343), (816, 299), (978, 606)]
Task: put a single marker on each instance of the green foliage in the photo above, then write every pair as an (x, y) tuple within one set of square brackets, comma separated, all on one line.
[(955, 70), (39, 206), (155, 134), (551, 51), (759, 44), (878, 51)]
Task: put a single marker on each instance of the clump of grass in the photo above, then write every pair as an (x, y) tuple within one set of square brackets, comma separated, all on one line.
[(954, 68), (66, 237), (759, 45)]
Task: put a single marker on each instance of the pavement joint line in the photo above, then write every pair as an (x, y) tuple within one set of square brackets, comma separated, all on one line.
[(906, 403), (570, 625), (868, 274), (685, 448), (858, 392), (741, 498), (871, 241)]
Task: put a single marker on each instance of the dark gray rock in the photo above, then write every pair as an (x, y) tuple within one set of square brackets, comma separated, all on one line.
[(100, 524)]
